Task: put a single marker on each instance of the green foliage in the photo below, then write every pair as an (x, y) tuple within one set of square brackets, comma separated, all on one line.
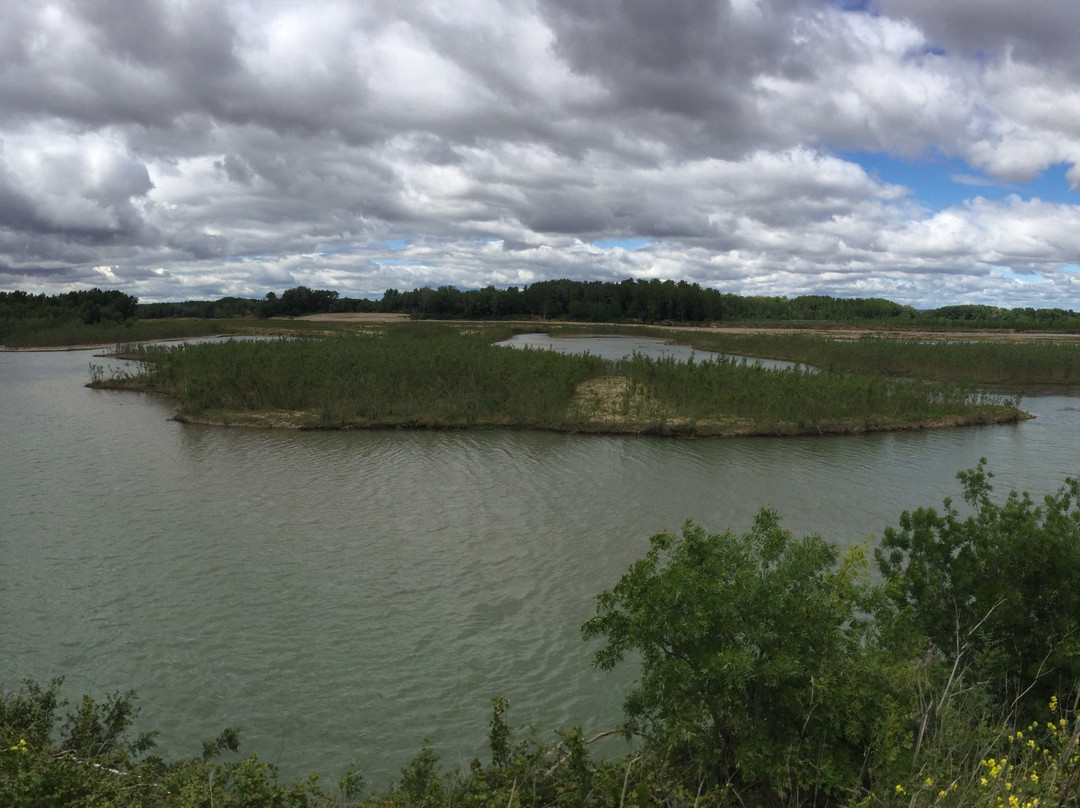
[(797, 400), (1017, 363), (499, 735), (76, 317), (227, 741), (24, 317), (432, 375), (72, 760), (996, 591), (762, 669), (87, 757), (424, 376), (656, 301)]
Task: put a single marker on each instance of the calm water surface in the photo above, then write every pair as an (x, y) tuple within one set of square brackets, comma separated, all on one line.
[(619, 347), (342, 595)]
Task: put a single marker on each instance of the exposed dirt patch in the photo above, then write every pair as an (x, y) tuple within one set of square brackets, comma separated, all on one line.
[(611, 399), (611, 404)]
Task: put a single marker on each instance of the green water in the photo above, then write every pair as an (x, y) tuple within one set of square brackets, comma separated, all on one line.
[(342, 595)]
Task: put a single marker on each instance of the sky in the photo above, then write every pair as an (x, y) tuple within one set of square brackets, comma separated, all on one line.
[(923, 151)]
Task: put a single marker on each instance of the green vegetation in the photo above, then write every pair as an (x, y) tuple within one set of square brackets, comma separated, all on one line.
[(763, 672), (998, 589), (434, 375), (93, 317), (292, 303), (990, 362), (774, 671), (636, 301)]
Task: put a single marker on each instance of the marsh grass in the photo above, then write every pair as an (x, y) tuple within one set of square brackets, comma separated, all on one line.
[(984, 362), (443, 376), (802, 401)]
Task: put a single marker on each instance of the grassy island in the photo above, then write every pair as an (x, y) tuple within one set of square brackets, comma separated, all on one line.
[(439, 375)]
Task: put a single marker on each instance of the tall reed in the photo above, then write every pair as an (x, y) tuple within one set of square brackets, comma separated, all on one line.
[(433, 375)]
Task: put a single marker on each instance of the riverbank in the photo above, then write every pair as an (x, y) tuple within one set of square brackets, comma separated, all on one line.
[(675, 428)]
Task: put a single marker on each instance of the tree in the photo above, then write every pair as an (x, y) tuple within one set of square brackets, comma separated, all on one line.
[(762, 668), (997, 591)]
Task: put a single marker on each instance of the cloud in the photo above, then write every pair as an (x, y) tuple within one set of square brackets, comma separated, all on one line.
[(198, 148)]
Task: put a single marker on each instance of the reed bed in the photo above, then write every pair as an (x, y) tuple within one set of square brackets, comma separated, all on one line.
[(799, 400), (982, 362), (441, 376), (425, 375)]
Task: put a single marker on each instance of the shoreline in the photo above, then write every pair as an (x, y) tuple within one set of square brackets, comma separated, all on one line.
[(675, 429), (96, 346)]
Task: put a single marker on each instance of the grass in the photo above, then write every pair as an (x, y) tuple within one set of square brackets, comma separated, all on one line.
[(436, 375), (967, 361)]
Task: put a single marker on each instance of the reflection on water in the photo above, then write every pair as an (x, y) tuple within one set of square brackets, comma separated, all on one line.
[(342, 595)]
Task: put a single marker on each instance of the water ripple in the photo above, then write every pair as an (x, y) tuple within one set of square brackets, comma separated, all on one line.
[(340, 596)]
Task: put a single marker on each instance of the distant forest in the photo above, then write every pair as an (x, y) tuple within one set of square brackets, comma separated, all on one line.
[(652, 301)]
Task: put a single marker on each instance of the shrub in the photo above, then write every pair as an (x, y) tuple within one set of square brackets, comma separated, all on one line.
[(763, 670), (997, 592)]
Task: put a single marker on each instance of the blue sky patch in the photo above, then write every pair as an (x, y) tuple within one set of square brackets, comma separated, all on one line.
[(939, 184)]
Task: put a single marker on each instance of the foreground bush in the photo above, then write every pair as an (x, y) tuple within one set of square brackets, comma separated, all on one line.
[(996, 592), (764, 670)]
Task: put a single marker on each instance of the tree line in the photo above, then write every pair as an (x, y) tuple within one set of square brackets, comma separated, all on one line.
[(85, 316), (89, 307), (642, 301)]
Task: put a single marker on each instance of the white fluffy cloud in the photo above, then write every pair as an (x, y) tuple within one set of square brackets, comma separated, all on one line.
[(198, 148)]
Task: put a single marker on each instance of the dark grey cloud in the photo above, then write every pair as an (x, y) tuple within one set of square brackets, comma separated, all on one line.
[(681, 72), (1037, 31)]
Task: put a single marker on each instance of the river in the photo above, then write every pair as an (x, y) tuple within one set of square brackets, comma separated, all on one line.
[(340, 596)]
